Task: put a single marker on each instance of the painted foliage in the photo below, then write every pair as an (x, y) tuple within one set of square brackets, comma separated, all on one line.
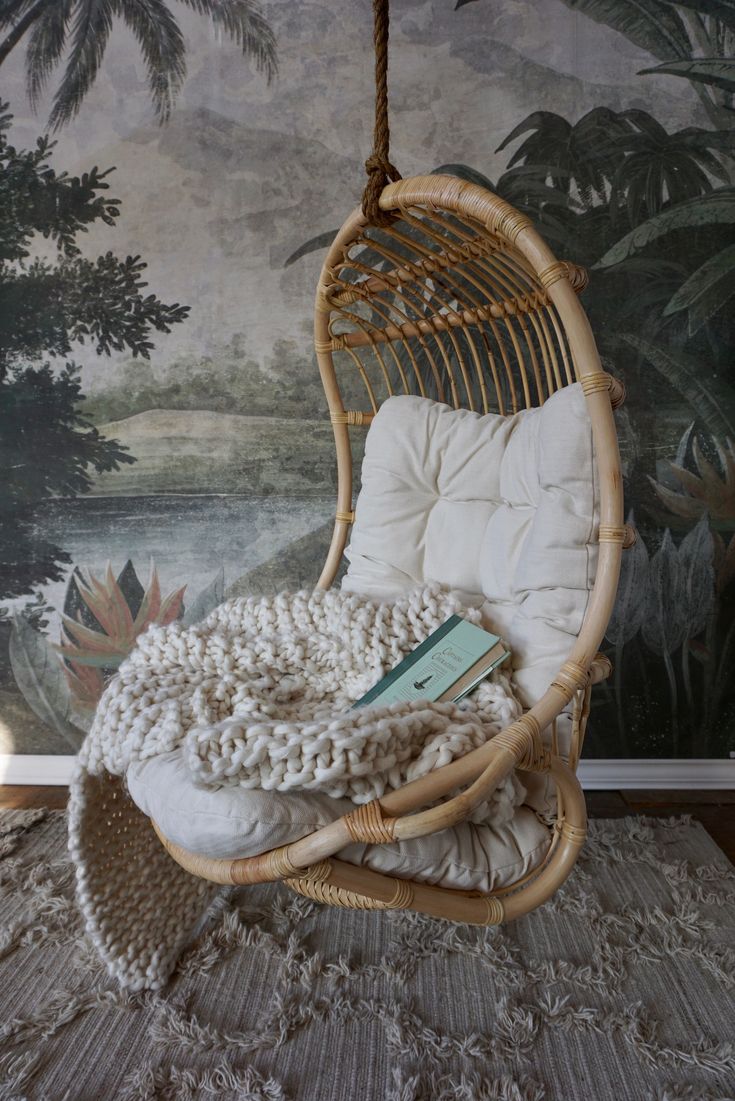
[(162, 426)]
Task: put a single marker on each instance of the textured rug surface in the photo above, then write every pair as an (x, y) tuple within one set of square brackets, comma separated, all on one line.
[(620, 989)]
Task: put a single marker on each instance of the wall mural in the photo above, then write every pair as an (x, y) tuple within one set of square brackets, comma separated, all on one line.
[(169, 175)]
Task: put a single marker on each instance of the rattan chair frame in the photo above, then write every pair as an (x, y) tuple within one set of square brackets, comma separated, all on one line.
[(465, 290)]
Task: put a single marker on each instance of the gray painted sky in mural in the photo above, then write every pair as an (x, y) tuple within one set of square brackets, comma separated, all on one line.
[(245, 172)]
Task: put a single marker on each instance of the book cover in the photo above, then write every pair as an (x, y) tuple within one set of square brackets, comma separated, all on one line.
[(447, 665)]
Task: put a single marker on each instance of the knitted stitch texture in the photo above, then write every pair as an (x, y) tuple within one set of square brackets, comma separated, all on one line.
[(258, 694)]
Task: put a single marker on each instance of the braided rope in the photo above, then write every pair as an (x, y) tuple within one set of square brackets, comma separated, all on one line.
[(378, 166)]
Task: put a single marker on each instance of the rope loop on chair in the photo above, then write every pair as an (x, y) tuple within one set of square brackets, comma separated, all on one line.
[(378, 166)]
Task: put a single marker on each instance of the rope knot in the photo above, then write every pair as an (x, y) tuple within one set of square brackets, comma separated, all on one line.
[(380, 172), (376, 163)]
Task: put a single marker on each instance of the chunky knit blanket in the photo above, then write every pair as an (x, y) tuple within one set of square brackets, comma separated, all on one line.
[(259, 694)]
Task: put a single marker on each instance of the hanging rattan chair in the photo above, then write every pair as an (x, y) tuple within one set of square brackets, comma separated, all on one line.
[(458, 299), (437, 287)]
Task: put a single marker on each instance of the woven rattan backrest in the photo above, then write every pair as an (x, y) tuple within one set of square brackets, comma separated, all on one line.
[(437, 304)]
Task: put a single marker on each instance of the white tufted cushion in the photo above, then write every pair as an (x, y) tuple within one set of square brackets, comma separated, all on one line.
[(234, 822), (505, 509)]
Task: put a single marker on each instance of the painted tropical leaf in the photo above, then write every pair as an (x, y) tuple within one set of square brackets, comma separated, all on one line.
[(630, 602), (579, 157), (654, 25), (74, 606), (724, 560), (528, 184), (89, 647), (706, 290), (150, 604), (130, 587), (664, 626), (86, 684), (41, 679), (105, 648), (205, 601), (724, 10), (715, 208), (322, 240), (655, 282), (707, 491), (719, 71), (463, 171), (713, 402), (696, 555), (106, 603), (170, 609)]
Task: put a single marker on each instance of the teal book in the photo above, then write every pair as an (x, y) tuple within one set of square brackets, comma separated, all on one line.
[(447, 665)]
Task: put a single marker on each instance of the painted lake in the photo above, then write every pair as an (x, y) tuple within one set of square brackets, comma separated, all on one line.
[(188, 538)]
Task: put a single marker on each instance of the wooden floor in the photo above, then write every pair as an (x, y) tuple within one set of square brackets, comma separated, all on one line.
[(714, 809)]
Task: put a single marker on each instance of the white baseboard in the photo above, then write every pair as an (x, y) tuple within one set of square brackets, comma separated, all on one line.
[(696, 774), (602, 775), (36, 768)]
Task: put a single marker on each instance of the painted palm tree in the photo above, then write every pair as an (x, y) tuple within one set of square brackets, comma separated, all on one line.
[(660, 169), (80, 29), (581, 156), (691, 37)]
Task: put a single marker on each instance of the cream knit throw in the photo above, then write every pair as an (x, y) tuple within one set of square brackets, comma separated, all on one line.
[(258, 695)]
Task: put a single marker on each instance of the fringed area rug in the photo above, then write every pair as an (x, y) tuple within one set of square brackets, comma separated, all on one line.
[(620, 989)]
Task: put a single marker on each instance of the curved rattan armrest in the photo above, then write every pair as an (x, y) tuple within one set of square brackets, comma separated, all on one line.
[(390, 818), (338, 883), (518, 746)]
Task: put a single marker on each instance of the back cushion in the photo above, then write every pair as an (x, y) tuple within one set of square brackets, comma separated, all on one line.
[(503, 509)]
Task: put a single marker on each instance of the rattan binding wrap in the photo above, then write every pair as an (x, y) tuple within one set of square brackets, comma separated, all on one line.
[(320, 891), (458, 299)]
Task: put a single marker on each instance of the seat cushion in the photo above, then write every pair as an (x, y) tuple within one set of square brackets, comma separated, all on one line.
[(231, 822), (503, 509)]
